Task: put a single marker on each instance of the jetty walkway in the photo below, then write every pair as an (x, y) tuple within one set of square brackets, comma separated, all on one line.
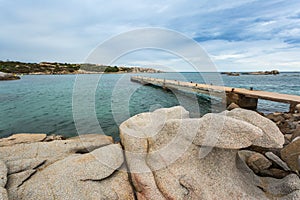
[(245, 98)]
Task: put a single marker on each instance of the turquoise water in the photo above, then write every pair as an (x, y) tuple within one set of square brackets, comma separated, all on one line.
[(43, 103)]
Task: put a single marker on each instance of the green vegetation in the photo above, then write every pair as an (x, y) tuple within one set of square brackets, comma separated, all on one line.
[(45, 67), (65, 68), (112, 69)]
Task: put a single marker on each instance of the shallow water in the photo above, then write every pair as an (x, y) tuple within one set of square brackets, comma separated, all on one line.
[(43, 103)]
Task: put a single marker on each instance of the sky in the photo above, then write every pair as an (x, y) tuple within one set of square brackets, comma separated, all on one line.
[(248, 35)]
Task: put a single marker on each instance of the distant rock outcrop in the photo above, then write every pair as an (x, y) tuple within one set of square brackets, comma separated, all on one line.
[(273, 72), (231, 73), (8, 76)]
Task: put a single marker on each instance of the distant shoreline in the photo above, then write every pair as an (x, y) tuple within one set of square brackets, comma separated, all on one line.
[(47, 68)]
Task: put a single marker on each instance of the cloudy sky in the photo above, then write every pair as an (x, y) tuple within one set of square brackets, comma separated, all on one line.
[(241, 35)]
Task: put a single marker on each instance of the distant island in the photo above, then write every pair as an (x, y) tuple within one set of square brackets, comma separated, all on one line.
[(14, 67), (273, 72)]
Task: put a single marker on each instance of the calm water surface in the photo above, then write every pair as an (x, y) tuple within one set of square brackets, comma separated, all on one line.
[(43, 103)]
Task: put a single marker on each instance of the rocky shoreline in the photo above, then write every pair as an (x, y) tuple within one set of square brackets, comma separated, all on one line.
[(236, 154), (49, 68), (272, 72), (8, 77)]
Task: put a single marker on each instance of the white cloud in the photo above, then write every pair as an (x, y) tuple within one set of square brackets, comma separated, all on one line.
[(239, 35)]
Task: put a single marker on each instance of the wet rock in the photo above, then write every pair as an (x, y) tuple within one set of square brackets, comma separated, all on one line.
[(277, 161), (290, 154), (258, 162), (232, 106), (22, 138)]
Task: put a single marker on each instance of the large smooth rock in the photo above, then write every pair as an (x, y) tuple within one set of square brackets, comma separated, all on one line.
[(291, 155), (17, 166), (272, 137), (182, 158), (54, 150), (3, 194), (22, 138), (228, 132), (3, 174), (91, 160), (16, 180), (134, 134), (93, 175)]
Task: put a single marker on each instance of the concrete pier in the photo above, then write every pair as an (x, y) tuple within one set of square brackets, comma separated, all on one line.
[(243, 97)]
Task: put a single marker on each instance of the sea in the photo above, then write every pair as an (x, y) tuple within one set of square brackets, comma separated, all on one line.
[(69, 105)]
